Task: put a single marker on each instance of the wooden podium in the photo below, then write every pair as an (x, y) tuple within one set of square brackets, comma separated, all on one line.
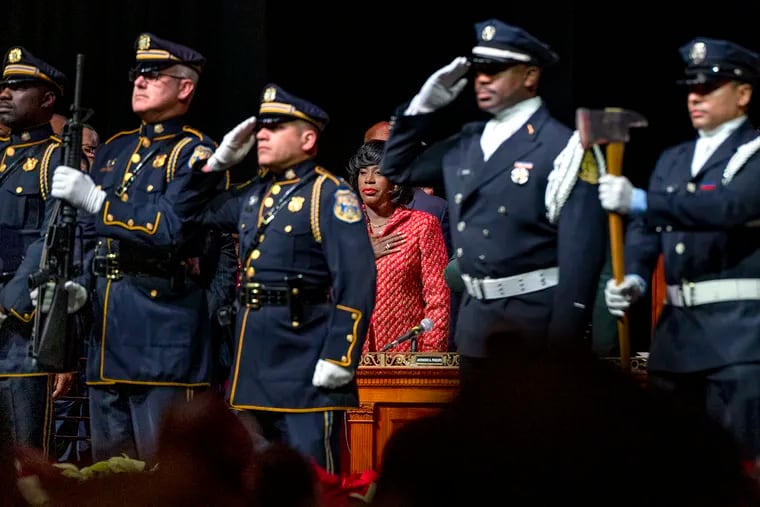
[(394, 389)]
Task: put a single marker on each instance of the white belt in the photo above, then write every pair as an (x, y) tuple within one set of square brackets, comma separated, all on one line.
[(713, 291), (497, 288)]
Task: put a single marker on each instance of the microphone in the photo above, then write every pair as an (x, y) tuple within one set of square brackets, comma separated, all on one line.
[(425, 325)]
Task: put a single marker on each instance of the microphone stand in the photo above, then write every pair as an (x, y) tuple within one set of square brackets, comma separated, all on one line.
[(413, 345)]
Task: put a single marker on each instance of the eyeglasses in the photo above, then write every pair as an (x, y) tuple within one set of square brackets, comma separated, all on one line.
[(149, 75), (491, 68)]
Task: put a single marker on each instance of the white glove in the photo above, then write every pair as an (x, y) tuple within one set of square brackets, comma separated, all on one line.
[(615, 193), (620, 297), (235, 146), (330, 375), (77, 296), (77, 188), (441, 88)]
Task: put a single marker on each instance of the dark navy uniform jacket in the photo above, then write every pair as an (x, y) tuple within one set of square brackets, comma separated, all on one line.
[(28, 160), (153, 325), (699, 226), (500, 227), (319, 233)]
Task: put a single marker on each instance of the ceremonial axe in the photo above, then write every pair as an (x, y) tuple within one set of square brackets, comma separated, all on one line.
[(610, 126)]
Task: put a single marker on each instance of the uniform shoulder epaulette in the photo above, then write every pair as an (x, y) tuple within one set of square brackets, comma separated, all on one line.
[(196, 133), (324, 172), (121, 134), (56, 139)]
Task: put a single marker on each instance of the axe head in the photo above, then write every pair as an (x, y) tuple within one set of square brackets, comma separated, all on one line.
[(610, 125)]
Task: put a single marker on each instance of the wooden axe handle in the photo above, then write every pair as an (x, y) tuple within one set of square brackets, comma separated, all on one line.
[(615, 168)]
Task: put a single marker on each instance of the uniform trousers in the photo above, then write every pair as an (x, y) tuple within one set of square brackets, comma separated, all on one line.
[(126, 418)]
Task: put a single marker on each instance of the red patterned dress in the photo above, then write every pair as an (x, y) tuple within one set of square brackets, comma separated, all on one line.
[(410, 285)]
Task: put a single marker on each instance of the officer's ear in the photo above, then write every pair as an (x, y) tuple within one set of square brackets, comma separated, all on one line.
[(48, 98), (309, 138)]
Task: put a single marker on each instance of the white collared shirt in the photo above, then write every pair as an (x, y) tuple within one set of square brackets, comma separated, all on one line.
[(709, 140), (505, 123)]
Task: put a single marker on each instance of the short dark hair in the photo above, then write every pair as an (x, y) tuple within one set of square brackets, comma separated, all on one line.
[(371, 153)]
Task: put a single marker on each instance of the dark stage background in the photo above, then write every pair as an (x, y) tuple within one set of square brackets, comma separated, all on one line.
[(359, 61)]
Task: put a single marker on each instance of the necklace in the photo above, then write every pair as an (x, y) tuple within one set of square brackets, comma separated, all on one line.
[(378, 225)]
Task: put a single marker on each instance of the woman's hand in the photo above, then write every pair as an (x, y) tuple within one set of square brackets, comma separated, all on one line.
[(387, 244)]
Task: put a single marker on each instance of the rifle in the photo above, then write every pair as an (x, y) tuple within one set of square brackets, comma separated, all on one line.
[(52, 346)]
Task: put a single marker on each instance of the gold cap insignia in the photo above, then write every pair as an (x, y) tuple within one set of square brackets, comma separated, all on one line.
[(296, 203), (270, 94), (488, 32), (143, 42), (14, 56), (698, 53)]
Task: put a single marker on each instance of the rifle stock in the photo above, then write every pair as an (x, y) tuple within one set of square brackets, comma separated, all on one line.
[(53, 347)]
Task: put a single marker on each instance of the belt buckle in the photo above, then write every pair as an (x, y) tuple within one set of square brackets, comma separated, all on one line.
[(252, 295), (688, 293), (107, 266)]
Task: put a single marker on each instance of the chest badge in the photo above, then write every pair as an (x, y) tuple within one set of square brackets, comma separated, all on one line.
[(520, 175), (160, 160), (296, 203), (30, 164)]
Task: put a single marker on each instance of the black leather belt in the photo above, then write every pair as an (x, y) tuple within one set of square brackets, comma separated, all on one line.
[(254, 295), (113, 266)]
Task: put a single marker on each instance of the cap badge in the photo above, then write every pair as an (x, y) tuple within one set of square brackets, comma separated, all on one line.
[(698, 53), (270, 94), (488, 32), (143, 42), (520, 175), (14, 56)]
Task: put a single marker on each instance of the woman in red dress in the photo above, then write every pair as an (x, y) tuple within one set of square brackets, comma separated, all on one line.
[(411, 257)]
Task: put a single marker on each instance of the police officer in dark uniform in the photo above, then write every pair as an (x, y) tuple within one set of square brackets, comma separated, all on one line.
[(154, 343), (308, 286), (528, 231), (29, 90), (699, 213)]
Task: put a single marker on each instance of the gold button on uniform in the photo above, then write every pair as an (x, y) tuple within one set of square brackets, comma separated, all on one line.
[(242, 226), (680, 248), (149, 226), (19, 190), (153, 293), (349, 338), (10, 151), (276, 189), (135, 158), (158, 128), (343, 359), (261, 238), (145, 142), (288, 228), (295, 323), (250, 272), (255, 254), (268, 202), (149, 188), (354, 316), (130, 222), (109, 217), (2, 168), (124, 197)]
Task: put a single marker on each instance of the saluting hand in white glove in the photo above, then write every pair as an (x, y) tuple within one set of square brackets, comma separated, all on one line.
[(235, 146), (330, 375), (77, 188), (441, 88)]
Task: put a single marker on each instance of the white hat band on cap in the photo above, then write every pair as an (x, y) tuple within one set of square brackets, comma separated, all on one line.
[(500, 53)]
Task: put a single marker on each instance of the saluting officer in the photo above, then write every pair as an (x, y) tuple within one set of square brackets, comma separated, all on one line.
[(699, 213), (528, 231), (154, 344), (308, 286), (29, 90)]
